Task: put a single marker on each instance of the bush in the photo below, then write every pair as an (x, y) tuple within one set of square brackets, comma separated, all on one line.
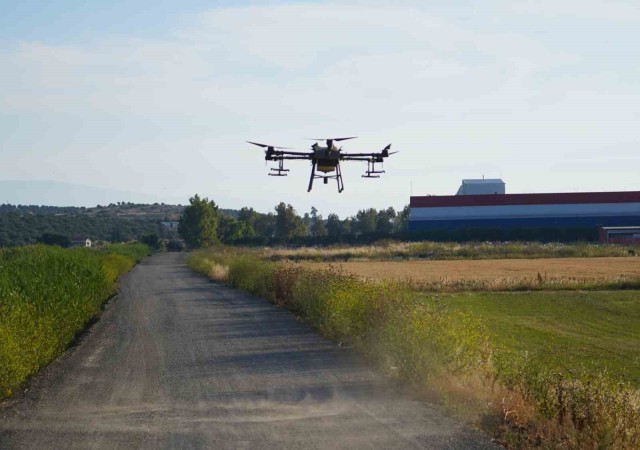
[(175, 245), (250, 275), (152, 240)]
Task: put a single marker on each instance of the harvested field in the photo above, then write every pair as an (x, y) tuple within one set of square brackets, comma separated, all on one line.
[(432, 271)]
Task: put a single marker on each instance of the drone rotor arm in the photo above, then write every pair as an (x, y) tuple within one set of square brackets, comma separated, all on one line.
[(294, 157), (360, 157), (305, 154)]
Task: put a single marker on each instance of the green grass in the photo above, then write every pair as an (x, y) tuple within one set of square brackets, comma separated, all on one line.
[(47, 295), (583, 332), (133, 251)]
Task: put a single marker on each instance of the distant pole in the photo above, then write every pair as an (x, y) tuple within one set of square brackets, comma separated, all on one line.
[(411, 188)]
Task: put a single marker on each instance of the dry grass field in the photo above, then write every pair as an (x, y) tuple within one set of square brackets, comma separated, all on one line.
[(491, 269)]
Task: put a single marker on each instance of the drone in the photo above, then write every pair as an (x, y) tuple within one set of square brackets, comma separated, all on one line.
[(325, 159)]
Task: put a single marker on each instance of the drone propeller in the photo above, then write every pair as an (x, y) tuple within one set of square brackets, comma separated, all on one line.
[(268, 146), (332, 139)]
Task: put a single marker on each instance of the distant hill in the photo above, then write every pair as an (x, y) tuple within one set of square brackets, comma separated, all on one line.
[(55, 193), (157, 211), (25, 224)]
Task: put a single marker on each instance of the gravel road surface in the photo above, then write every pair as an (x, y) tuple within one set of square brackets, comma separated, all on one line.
[(177, 361)]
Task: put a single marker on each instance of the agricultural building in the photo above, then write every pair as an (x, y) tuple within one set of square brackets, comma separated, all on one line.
[(620, 235), (481, 186), (525, 211)]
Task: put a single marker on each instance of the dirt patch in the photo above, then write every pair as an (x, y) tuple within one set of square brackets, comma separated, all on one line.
[(581, 268)]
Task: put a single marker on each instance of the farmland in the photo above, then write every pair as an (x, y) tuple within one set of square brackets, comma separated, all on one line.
[(558, 339), (48, 295), (579, 332), (566, 330), (576, 268), (499, 274)]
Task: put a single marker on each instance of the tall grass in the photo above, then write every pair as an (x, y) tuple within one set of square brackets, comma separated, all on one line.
[(389, 250), (514, 284), (134, 251), (47, 295), (432, 344)]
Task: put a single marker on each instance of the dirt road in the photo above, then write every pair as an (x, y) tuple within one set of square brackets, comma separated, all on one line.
[(179, 362)]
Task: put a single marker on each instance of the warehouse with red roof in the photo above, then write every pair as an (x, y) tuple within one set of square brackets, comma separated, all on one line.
[(483, 204)]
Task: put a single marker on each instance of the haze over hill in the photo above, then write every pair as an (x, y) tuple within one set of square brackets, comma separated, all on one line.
[(55, 193)]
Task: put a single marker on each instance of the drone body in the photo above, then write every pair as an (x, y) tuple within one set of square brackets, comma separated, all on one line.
[(325, 159)]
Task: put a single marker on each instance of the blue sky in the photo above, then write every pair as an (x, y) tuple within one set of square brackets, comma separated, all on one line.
[(159, 97)]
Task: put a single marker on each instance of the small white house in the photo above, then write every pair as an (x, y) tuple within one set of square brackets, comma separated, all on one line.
[(79, 242)]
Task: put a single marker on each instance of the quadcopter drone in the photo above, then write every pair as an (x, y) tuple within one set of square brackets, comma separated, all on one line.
[(325, 159)]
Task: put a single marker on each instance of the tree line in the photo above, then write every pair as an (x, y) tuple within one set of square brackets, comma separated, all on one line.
[(18, 229), (202, 224)]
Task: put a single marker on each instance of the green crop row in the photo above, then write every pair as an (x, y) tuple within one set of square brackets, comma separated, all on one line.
[(49, 294), (446, 349)]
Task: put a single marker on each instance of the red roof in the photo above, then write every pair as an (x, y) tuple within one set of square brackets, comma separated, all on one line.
[(525, 199)]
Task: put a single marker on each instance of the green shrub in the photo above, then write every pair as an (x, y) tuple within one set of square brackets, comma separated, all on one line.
[(251, 275), (175, 245)]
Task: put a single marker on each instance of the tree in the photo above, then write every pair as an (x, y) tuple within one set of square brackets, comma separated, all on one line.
[(348, 227), (117, 235), (248, 217), (366, 221), (335, 227), (230, 229), (199, 222), (318, 228), (385, 221), (402, 220), (265, 225), (306, 221), (55, 239), (151, 239), (288, 223)]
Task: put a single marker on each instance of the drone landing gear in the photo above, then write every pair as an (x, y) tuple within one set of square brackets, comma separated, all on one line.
[(280, 170), (371, 170), (325, 178)]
